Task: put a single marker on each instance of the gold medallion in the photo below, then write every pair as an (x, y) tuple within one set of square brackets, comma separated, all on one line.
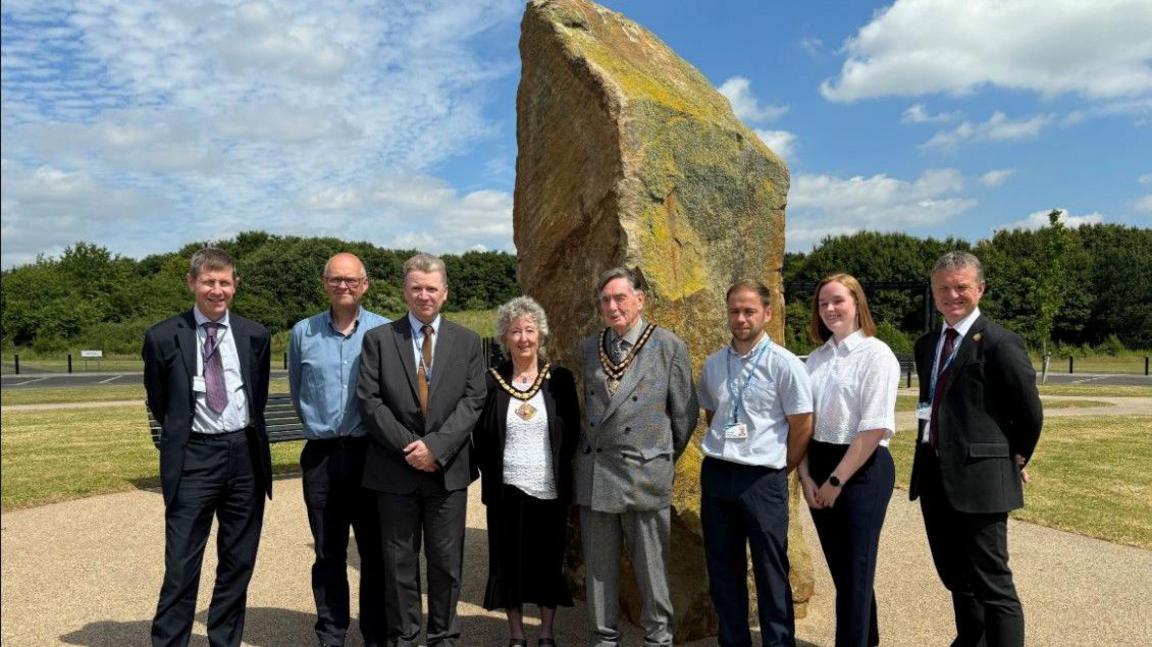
[(526, 411), (613, 385)]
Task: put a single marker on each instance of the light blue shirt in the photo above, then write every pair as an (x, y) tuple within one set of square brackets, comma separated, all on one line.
[(418, 340), (775, 385), (234, 417), (322, 367)]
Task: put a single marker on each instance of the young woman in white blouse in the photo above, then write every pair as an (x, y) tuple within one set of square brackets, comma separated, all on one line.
[(847, 475)]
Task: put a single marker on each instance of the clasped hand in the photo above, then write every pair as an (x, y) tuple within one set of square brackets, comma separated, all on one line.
[(819, 497), (419, 456)]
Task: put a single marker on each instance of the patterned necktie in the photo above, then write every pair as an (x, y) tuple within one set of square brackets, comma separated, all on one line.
[(217, 394), (619, 350), (950, 336), (422, 377)]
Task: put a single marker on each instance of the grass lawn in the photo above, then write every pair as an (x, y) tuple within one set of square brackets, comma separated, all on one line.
[(60, 454), (908, 403), (1090, 475)]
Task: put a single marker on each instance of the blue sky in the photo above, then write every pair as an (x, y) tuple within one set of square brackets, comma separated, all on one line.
[(141, 126)]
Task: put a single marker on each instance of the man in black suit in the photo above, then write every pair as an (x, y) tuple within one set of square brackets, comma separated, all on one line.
[(980, 419), (206, 375), (421, 389)]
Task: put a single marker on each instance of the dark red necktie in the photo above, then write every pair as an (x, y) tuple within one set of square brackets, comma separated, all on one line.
[(216, 391), (942, 367)]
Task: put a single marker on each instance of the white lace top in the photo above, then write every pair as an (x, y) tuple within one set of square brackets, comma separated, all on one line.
[(854, 386), (528, 450)]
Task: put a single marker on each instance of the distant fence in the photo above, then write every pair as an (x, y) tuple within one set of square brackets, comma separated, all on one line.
[(68, 363)]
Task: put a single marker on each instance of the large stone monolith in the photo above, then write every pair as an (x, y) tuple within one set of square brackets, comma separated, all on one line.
[(629, 156)]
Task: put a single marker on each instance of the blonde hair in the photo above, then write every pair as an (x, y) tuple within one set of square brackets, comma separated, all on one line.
[(818, 332)]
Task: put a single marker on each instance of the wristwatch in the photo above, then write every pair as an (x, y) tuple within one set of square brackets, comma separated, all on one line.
[(834, 481)]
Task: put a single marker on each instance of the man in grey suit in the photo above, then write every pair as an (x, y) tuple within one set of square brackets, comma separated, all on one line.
[(421, 389), (641, 409)]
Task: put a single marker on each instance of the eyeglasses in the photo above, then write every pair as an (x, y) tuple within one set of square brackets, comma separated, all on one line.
[(337, 281)]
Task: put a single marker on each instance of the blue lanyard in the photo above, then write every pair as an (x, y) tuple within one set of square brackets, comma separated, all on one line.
[(737, 397), (935, 363)]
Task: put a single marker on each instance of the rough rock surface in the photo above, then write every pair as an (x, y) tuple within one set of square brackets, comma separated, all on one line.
[(627, 155)]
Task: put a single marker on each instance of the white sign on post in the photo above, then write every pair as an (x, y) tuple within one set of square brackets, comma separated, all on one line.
[(91, 354)]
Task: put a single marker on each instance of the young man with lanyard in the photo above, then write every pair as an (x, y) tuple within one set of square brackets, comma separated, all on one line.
[(757, 399)]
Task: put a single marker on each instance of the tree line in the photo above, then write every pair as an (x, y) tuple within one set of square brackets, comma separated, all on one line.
[(1062, 289), (1071, 288), (91, 298)]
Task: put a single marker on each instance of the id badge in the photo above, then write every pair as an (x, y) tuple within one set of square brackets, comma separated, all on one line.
[(924, 411), (198, 385), (737, 431)]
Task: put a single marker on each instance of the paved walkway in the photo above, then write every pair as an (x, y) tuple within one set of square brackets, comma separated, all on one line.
[(86, 572)]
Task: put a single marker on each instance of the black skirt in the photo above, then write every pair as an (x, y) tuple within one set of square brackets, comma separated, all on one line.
[(526, 539)]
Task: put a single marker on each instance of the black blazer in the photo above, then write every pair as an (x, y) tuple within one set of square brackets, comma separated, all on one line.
[(989, 412), (390, 405), (170, 364), (563, 407)]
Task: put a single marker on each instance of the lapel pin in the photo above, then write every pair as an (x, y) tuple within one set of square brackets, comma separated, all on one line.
[(978, 336)]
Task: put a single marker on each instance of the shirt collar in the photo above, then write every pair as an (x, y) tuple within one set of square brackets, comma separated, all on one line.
[(964, 324), (850, 343), (418, 326), (766, 340), (355, 323), (201, 319), (632, 335)]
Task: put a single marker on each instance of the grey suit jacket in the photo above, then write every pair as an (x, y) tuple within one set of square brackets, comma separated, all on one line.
[(390, 404), (626, 457)]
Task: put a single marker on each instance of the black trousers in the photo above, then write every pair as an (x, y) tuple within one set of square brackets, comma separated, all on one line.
[(336, 503), (971, 556), (219, 479), (850, 537), (432, 517), (744, 507)]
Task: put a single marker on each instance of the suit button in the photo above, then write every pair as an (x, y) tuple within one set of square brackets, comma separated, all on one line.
[(587, 450), (598, 450), (635, 398), (627, 429), (591, 424)]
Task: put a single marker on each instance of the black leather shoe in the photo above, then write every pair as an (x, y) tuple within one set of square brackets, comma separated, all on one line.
[(544, 642), (517, 642)]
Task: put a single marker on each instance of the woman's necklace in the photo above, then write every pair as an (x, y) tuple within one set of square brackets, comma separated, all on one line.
[(526, 411)]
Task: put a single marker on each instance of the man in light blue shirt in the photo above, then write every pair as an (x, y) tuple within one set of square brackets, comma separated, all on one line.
[(757, 399), (323, 362)]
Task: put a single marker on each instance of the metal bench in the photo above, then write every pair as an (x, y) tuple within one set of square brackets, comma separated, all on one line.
[(280, 420)]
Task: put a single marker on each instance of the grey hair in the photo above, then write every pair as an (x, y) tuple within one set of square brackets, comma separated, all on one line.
[(619, 273), (211, 258), (959, 260), (427, 264), (520, 307), (363, 270)]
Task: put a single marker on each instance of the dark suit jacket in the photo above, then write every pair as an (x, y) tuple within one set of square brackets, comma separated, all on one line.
[(390, 404), (989, 412), (563, 409), (170, 364)]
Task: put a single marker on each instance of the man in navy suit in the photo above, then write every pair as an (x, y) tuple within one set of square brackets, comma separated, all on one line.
[(980, 420), (206, 375)]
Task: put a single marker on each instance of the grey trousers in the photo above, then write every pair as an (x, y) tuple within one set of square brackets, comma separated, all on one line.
[(647, 536)]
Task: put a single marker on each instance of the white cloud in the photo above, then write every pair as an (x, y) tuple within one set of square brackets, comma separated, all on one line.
[(822, 205), (782, 142), (1099, 49), (918, 114), (1039, 220), (1144, 204), (996, 177), (747, 107), (1145, 179), (998, 128), (811, 45), (45, 209), (227, 114)]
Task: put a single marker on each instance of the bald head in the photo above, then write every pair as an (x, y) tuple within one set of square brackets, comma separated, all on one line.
[(345, 281)]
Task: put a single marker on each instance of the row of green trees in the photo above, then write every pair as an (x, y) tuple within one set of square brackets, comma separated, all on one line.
[(1070, 287), (1090, 286), (91, 298)]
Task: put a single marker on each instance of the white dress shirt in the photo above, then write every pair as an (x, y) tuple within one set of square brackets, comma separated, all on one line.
[(235, 415), (961, 329), (854, 384)]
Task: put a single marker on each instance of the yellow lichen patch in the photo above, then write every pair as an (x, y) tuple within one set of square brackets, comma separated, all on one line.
[(674, 265)]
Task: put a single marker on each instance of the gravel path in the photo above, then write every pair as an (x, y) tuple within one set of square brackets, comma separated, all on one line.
[(86, 572)]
